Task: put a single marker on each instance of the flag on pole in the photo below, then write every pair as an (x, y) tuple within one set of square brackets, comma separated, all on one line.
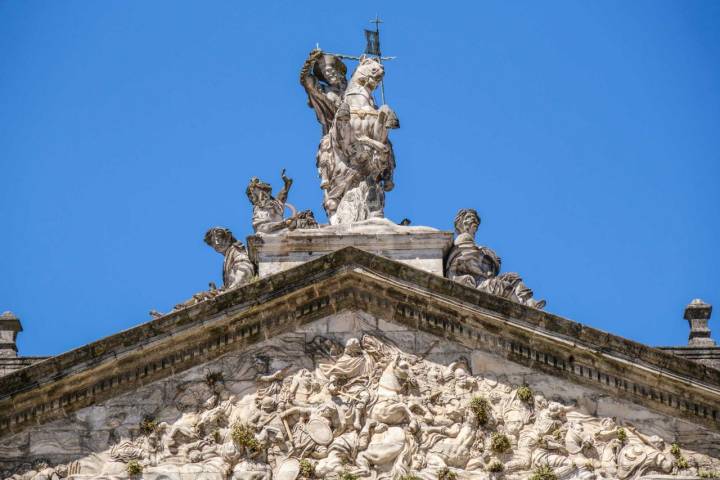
[(373, 42)]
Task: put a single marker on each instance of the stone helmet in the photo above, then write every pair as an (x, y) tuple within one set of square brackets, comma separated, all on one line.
[(257, 184)]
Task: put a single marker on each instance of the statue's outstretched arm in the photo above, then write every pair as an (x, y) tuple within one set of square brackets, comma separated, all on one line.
[(307, 80), (287, 183)]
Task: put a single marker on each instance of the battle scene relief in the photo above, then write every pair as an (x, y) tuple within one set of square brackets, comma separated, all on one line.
[(348, 398)]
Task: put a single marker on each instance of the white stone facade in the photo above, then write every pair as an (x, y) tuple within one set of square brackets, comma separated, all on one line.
[(189, 418)]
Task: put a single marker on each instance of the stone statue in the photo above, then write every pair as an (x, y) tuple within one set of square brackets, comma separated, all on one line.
[(323, 78), (268, 211), (237, 268), (479, 267), (355, 159)]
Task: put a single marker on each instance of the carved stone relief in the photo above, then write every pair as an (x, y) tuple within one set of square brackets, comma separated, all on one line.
[(361, 406)]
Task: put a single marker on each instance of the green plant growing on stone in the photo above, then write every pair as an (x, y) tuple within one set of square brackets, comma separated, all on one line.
[(446, 474), (243, 436), (675, 450), (499, 443), (348, 476), (211, 378), (681, 463), (495, 466), (134, 468), (307, 470), (525, 394), (708, 474), (543, 472), (622, 435), (480, 408), (148, 425), (409, 477)]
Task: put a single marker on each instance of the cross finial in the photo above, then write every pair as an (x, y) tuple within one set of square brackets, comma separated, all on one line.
[(377, 23)]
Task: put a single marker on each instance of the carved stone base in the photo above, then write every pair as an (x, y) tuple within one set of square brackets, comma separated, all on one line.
[(419, 247)]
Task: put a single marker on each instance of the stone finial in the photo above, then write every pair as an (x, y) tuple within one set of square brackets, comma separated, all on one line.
[(9, 328), (697, 313)]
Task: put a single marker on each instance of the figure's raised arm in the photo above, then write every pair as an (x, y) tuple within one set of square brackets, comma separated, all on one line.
[(307, 80), (287, 183)]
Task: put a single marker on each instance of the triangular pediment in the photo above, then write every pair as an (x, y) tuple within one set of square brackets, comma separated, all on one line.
[(299, 317)]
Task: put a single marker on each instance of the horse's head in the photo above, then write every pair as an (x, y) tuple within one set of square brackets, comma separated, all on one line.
[(369, 72)]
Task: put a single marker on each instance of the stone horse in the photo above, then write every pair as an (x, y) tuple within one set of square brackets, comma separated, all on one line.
[(356, 156), (389, 407)]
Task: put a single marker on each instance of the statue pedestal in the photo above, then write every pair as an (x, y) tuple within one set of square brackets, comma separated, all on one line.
[(420, 247)]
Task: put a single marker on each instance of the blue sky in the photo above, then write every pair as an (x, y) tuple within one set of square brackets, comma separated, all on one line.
[(587, 135)]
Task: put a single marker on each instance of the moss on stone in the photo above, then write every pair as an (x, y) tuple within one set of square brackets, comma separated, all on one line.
[(499, 443), (525, 394), (543, 472), (495, 466), (445, 474), (148, 425), (480, 407), (243, 436), (134, 468), (307, 470)]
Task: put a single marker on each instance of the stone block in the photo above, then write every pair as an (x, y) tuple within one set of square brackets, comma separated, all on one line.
[(420, 247), (54, 442)]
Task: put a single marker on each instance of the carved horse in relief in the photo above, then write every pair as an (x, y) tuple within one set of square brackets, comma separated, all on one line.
[(389, 407)]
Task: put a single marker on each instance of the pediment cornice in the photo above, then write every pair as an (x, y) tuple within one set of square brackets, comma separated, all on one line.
[(351, 279)]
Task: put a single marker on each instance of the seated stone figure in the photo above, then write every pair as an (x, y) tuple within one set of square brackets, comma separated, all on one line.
[(268, 211), (479, 267), (237, 268)]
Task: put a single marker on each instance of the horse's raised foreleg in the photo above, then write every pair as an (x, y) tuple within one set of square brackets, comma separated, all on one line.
[(365, 140), (386, 120)]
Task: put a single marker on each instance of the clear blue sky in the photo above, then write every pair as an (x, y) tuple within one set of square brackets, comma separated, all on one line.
[(587, 134)]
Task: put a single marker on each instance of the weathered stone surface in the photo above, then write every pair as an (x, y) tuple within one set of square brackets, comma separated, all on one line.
[(416, 384), (701, 347), (10, 326), (709, 356), (352, 279), (420, 247), (95, 398), (10, 364), (698, 314)]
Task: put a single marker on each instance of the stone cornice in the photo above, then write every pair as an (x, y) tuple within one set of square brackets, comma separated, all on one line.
[(353, 279)]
